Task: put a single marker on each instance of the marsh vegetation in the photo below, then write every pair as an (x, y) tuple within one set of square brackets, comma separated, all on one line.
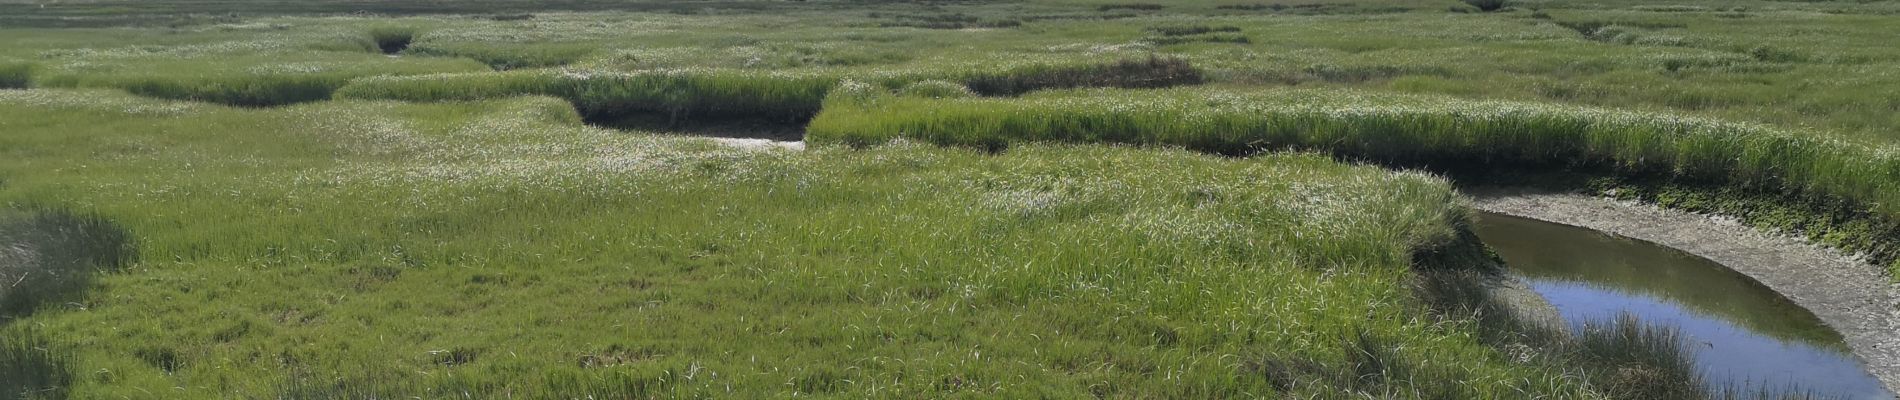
[(1001, 199)]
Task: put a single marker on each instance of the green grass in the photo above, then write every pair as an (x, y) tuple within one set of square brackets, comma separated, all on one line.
[(427, 226), (509, 56), (501, 247), (1641, 361), (28, 370), (244, 80), (606, 96), (1404, 130), (791, 96), (249, 65)]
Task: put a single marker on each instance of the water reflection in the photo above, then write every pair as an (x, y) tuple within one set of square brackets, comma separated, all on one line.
[(1743, 332)]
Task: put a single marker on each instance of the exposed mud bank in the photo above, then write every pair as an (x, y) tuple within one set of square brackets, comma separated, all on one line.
[(1848, 294)]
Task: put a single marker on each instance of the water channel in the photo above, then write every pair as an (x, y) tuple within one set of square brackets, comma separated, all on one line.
[(1742, 333)]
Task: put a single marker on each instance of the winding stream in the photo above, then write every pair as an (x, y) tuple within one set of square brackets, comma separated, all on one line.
[(1742, 332)]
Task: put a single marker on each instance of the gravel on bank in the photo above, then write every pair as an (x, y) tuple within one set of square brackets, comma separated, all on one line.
[(1855, 298)]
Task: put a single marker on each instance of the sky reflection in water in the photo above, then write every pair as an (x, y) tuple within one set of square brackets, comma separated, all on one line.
[(1742, 332)]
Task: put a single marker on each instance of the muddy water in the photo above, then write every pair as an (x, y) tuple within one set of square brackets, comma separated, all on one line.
[(1742, 332)]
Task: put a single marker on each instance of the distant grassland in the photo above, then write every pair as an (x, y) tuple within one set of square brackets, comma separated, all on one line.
[(1793, 65), (499, 247)]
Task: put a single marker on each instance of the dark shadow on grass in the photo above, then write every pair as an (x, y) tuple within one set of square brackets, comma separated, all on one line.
[(51, 257)]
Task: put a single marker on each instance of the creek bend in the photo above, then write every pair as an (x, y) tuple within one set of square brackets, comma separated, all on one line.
[(1741, 333)]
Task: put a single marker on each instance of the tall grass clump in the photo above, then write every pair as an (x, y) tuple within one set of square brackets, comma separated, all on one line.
[(1637, 360), (15, 75), (1394, 129), (392, 39)]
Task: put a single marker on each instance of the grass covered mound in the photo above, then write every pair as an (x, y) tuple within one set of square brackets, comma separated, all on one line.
[(791, 95), (242, 80), (500, 248), (1388, 128)]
